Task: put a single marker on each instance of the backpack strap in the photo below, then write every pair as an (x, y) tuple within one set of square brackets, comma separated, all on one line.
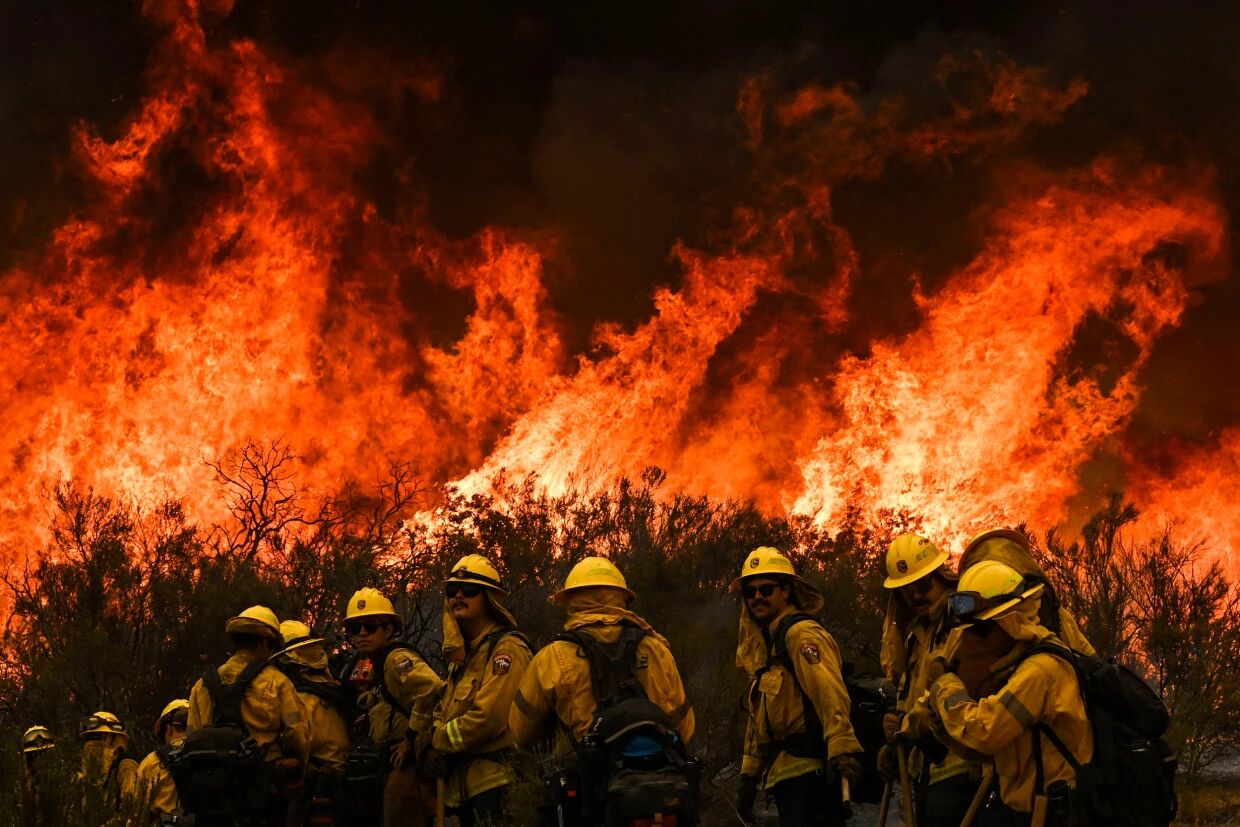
[(493, 639), (163, 753), (1069, 657), (813, 735), (613, 666), (226, 698)]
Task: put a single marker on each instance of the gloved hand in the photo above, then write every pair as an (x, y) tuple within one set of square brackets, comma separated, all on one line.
[(431, 762), (845, 766), (891, 725), (400, 752), (746, 797), (888, 763), (936, 669), (933, 749)]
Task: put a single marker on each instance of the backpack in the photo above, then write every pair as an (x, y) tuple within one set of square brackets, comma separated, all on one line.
[(219, 771), (869, 700), (633, 765), (1131, 778)]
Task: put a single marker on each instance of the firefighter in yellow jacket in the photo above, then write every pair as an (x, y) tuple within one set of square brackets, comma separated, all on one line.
[(304, 660), (398, 691), (469, 743), (36, 741), (556, 695), (998, 609), (916, 629), (110, 777), (797, 753), (271, 711), (156, 789)]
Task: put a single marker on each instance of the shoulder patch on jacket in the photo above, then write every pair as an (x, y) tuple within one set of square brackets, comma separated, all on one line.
[(404, 666), (501, 663), (810, 652)]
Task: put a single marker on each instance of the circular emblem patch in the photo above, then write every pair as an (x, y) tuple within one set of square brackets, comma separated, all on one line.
[(901, 566), (361, 604), (753, 564), (501, 664)]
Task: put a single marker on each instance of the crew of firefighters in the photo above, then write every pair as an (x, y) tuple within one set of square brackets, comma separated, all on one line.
[(966, 701)]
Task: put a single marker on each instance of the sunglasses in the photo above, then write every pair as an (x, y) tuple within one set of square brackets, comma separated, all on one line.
[(766, 590), (921, 586), (463, 589), (369, 627)]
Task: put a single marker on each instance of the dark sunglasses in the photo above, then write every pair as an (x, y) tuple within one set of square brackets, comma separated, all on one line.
[(921, 586), (463, 589), (370, 627), (766, 590)]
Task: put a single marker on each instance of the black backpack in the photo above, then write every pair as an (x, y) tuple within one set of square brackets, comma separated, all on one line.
[(1131, 778), (660, 786), (869, 700), (219, 771)]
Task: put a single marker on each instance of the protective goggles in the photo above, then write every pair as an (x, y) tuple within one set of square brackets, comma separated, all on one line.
[(176, 718), (965, 605), (97, 722), (37, 740), (463, 589)]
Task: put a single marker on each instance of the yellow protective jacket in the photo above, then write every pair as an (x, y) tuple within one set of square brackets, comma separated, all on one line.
[(776, 706), (411, 683), (1041, 689), (329, 732), (271, 710), (156, 789), (113, 779), (556, 687), (922, 642), (471, 718)]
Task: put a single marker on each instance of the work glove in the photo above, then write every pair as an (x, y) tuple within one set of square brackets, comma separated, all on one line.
[(936, 669), (934, 750), (401, 752), (891, 725), (845, 766), (888, 763), (746, 797), (431, 762)]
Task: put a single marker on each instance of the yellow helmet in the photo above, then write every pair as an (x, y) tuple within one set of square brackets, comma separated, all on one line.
[(175, 713), (102, 723), (988, 589), (296, 635), (368, 602), (594, 571), (997, 533), (256, 620), (37, 739), (477, 570), (911, 557), (767, 562)]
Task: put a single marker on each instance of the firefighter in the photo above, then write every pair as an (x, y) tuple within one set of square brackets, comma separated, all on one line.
[(304, 660), (1012, 548), (111, 778), (36, 741), (997, 608), (157, 790), (557, 691), (270, 710), (487, 656), (916, 628), (398, 691), (797, 752)]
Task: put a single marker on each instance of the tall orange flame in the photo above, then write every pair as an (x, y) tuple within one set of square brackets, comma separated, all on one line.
[(228, 280)]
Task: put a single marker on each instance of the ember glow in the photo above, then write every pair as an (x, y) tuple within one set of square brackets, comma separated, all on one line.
[(154, 331)]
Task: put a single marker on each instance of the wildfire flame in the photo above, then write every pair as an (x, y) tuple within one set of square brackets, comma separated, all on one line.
[(228, 281)]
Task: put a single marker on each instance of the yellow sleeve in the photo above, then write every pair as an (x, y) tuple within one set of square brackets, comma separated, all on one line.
[(533, 704), (753, 757), (665, 689), (487, 717), (817, 662), (992, 723), (294, 722), (127, 779), (199, 707), (412, 681)]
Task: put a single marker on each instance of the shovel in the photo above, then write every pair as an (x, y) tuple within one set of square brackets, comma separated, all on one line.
[(906, 789), (983, 788)]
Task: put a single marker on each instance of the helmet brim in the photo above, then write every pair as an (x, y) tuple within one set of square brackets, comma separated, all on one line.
[(914, 576), (769, 575), (995, 611), (249, 626), (997, 534), (559, 596), (298, 644)]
